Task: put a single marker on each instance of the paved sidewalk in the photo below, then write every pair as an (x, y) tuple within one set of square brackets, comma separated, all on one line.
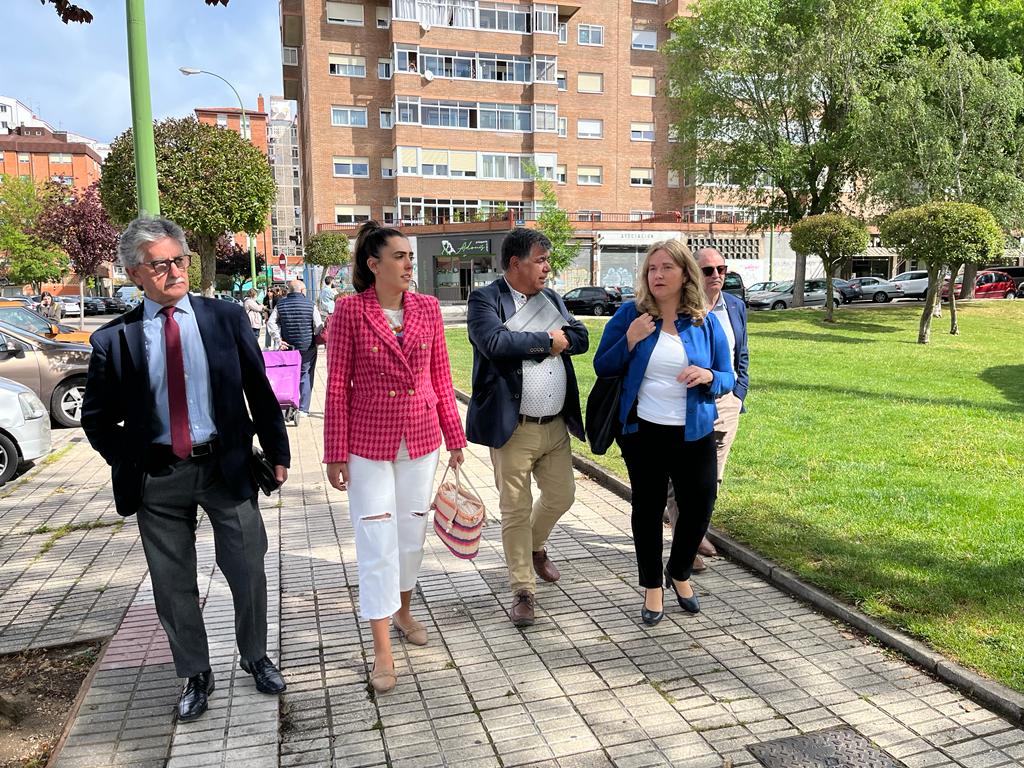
[(587, 686)]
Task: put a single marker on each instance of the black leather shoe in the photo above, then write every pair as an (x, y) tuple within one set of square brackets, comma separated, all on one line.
[(195, 696), (268, 679), (649, 617), (688, 604)]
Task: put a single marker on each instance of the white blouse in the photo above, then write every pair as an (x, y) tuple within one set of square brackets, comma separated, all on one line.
[(662, 399)]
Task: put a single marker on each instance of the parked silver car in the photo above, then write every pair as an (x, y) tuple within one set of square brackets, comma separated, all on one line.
[(24, 428), (877, 289), (781, 296)]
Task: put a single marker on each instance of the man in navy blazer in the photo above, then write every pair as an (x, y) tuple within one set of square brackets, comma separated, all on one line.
[(732, 315), (525, 405), (165, 405)]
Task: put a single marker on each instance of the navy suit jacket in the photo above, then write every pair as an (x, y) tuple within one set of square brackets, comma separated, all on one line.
[(498, 355), (741, 359), (119, 416)]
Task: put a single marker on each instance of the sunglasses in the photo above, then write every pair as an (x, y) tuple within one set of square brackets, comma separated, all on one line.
[(709, 271)]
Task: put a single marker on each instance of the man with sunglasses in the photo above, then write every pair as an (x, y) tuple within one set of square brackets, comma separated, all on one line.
[(732, 314), (165, 405)]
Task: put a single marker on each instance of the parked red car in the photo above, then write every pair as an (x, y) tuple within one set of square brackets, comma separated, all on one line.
[(990, 285)]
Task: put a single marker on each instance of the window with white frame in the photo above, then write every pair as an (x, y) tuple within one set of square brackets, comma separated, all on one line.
[(590, 34), (354, 167), (646, 2), (563, 127), (222, 120), (383, 17), (673, 134), (351, 214), (545, 18), (408, 109), (641, 177), (640, 215), (60, 157), (562, 80), (589, 129), (409, 161), (462, 164), (433, 162), (289, 56), (560, 174), (645, 40), (545, 117), (590, 82), (23, 157), (673, 179), (499, 67), (642, 86), (387, 118), (348, 117), (588, 175), (387, 167), (384, 69), (347, 66), (504, 17), (390, 215), (545, 69), (545, 165), (345, 13), (588, 215), (563, 33), (641, 131)]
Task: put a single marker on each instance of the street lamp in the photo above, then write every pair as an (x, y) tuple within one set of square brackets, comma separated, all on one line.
[(241, 132)]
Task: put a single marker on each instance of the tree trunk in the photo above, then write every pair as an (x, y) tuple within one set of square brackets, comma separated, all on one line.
[(798, 280), (81, 302), (934, 290), (208, 255), (970, 278), (829, 299), (954, 328)]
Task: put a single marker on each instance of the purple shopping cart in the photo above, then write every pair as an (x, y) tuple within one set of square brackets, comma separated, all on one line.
[(283, 368)]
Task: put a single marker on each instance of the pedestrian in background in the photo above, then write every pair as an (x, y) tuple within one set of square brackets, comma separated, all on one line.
[(50, 308), (389, 400), (328, 295), (254, 311), (170, 390), (293, 324), (674, 359), (732, 316), (525, 404), (270, 299)]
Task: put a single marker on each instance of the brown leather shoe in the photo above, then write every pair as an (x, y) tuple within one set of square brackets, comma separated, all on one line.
[(698, 564), (544, 567), (706, 548), (522, 609)]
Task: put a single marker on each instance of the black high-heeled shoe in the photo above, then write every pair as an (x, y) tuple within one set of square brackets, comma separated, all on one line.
[(688, 604), (649, 617)]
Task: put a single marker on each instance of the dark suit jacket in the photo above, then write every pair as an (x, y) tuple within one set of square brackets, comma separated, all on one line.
[(119, 416), (741, 359), (498, 354)]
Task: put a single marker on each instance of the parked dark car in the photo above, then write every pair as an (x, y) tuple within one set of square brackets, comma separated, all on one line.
[(849, 291), (593, 300), (627, 292), (114, 304), (734, 284), (94, 306)]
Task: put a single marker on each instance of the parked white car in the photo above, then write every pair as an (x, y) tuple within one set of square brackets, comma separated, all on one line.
[(24, 427), (72, 307), (914, 283)]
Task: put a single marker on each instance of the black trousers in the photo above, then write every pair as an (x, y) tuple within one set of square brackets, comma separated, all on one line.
[(654, 455), (167, 522)]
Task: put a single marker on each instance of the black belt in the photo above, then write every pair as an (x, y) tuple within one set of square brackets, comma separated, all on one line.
[(537, 419), (163, 453)]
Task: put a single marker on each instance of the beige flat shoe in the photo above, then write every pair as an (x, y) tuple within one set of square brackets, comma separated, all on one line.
[(416, 633), (383, 680)]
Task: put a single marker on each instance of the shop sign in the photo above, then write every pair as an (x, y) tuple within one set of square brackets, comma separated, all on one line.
[(466, 248)]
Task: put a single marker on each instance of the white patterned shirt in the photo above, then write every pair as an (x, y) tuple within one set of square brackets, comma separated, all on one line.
[(722, 313), (544, 382)]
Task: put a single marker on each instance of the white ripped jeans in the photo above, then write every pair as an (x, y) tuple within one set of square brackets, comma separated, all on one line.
[(389, 502)]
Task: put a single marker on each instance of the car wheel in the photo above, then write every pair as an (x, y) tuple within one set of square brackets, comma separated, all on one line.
[(779, 305), (880, 298), (9, 458), (66, 402), (598, 310), (1011, 295)]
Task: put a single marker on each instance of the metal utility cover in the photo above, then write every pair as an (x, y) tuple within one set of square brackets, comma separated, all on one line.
[(840, 747)]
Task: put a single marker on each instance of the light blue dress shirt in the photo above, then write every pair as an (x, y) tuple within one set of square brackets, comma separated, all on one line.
[(197, 370)]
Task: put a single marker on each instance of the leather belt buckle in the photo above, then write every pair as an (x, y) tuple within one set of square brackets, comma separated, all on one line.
[(203, 449)]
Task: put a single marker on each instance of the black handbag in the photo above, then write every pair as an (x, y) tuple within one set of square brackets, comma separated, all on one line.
[(263, 472), (602, 420)]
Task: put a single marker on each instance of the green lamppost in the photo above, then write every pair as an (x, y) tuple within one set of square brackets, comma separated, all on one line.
[(241, 131), (146, 190)]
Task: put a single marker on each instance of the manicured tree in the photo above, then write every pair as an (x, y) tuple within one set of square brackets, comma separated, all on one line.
[(943, 234), (28, 257), (835, 239), (78, 225), (211, 181), (553, 223), (328, 249), (68, 11), (233, 262)]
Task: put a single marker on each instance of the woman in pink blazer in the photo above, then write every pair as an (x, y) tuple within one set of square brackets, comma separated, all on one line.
[(389, 400)]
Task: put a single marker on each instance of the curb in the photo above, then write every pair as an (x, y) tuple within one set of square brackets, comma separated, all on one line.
[(996, 696)]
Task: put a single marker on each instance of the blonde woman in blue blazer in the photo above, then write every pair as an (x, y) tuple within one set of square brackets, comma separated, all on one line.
[(672, 372)]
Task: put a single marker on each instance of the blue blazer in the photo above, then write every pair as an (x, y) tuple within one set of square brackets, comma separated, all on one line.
[(118, 414), (741, 359), (498, 356), (705, 345)]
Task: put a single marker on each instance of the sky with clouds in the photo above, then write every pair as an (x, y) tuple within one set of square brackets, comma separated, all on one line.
[(75, 76)]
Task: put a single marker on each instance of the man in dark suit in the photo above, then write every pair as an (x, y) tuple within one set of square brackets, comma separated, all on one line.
[(164, 406), (732, 316), (525, 404)]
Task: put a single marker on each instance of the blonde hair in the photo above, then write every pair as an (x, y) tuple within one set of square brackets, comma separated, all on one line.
[(692, 300)]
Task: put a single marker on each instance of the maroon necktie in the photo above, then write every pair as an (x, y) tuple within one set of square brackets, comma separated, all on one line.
[(177, 401)]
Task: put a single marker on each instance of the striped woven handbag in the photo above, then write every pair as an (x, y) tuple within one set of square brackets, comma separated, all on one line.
[(458, 517)]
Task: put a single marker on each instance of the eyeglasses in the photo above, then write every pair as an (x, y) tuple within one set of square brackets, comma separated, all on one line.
[(709, 271), (163, 266)]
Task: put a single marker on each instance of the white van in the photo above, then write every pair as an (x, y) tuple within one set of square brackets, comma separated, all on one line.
[(130, 295)]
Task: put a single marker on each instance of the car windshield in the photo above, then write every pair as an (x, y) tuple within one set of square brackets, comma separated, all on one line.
[(25, 319), (785, 287), (21, 334)]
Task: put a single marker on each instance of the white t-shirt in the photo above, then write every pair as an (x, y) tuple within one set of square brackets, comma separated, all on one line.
[(662, 399), (722, 313)]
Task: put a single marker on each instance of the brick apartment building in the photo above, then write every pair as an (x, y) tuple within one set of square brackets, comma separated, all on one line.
[(47, 155), (426, 112)]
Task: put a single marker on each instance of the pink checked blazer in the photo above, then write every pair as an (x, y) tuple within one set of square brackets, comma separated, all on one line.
[(381, 389)]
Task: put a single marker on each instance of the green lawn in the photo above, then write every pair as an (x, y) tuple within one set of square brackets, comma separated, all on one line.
[(887, 472)]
